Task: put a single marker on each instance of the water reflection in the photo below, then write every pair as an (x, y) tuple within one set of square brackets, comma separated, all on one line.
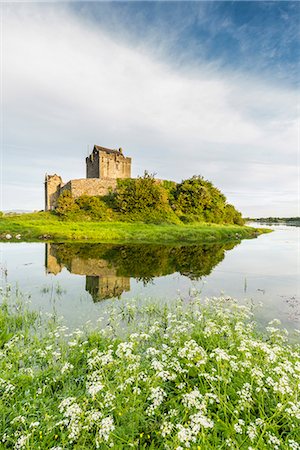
[(108, 268)]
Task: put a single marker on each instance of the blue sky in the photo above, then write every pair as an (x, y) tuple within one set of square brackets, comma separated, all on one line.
[(184, 88), (260, 37)]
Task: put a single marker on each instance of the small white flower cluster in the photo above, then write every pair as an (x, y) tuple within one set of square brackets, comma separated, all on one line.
[(293, 410), (22, 441), (94, 383), (72, 412), (156, 396), (221, 355), (124, 350), (245, 396), (67, 367), (106, 428), (273, 440), (193, 400), (99, 359), (166, 428), (6, 387), (188, 434), (193, 352)]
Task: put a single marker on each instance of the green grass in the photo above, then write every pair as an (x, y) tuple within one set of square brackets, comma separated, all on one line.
[(47, 226), (200, 376)]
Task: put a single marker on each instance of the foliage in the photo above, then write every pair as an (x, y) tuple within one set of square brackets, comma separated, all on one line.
[(199, 376), (66, 205), (148, 200), (93, 207), (231, 215), (196, 199), (139, 194), (83, 207)]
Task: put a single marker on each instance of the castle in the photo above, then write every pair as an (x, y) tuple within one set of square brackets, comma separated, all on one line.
[(103, 167)]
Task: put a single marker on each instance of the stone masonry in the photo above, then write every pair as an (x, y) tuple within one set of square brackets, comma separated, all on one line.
[(103, 167)]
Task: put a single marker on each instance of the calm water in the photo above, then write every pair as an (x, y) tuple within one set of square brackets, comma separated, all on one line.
[(80, 281)]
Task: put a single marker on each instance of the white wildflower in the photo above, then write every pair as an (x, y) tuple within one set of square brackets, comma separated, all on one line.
[(66, 367), (156, 396), (106, 427), (193, 399), (166, 428), (94, 387)]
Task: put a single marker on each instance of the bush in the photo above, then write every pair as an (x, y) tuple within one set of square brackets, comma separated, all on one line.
[(66, 205), (141, 194), (196, 200), (232, 215), (93, 207), (148, 200)]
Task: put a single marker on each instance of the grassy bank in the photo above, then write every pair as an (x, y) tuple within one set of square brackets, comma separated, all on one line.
[(47, 226), (200, 377)]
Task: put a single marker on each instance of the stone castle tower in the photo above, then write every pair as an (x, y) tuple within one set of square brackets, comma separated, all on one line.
[(104, 163), (103, 167)]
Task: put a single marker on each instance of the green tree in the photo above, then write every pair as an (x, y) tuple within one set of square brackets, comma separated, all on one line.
[(140, 194), (66, 205)]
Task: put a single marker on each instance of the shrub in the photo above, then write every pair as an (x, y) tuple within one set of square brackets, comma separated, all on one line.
[(93, 207), (197, 199), (231, 215), (66, 205), (140, 194)]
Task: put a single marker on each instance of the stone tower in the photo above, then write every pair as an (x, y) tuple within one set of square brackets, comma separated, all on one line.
[(53, 184), (105, 163)]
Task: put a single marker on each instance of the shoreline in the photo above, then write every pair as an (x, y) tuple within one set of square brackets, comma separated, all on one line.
[(43, 227)]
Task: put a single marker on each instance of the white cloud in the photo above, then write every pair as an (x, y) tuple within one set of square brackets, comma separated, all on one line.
[(68, 83)]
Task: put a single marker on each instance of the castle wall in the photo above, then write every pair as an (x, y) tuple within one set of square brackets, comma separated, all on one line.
[(91, 186), (53, 184), (93, 165), (114, 166), (103, 165)]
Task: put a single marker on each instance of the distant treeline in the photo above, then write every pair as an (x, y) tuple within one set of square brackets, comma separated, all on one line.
[(289, 220), (148, 200)]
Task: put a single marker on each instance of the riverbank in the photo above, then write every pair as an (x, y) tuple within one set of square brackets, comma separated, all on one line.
[(195, 376), (44, 226)]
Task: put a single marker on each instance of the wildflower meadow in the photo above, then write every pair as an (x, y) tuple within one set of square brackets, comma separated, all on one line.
[(200, 375)]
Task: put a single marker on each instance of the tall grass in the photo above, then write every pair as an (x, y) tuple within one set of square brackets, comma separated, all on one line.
[(47, 226), (200, 376)]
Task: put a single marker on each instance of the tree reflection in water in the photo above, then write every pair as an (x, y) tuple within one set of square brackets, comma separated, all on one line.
[(108, 268)]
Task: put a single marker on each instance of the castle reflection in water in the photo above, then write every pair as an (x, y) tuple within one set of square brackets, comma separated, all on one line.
[(102, 281), (108, 268)]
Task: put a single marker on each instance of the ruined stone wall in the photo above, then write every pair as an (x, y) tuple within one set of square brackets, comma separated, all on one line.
[(81, 186), (53, 184)]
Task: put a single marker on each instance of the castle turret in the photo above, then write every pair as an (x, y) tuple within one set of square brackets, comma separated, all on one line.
[(53, 183)]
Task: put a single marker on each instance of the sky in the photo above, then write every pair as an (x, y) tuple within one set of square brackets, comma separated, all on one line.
[(185, 88)]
